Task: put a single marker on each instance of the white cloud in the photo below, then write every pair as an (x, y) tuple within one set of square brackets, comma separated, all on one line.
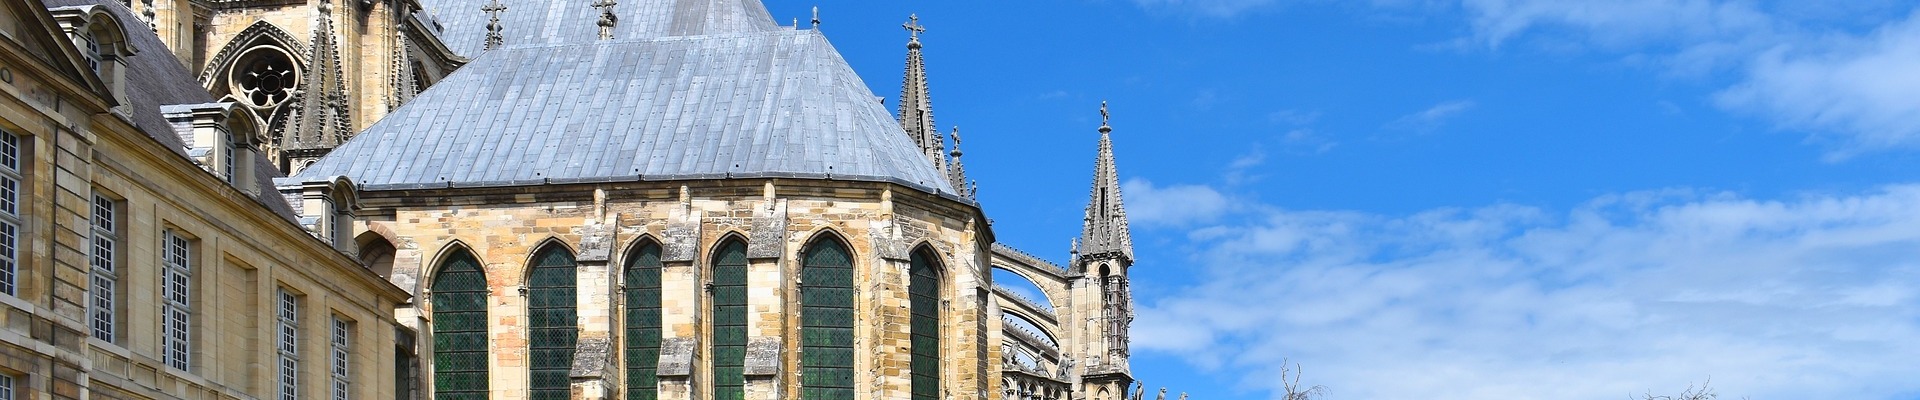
[(1794, 65), (1431, 118), (1813, 297), (1176, 205)]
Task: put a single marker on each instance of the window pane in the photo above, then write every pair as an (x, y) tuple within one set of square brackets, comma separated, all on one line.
[(643, 323), (826, 321), (730, 321), (554, 326), (460, 329)]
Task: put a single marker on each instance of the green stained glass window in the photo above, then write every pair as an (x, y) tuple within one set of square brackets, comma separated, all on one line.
[(460, 329), (826, 321), (923, 292), (552, 324), (730, 321), (643, 323)]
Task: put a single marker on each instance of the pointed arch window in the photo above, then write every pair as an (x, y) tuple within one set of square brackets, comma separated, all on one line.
[(826, 321), (730, 320), (460, 329), (643, 322), (923, 294), (554, 325)]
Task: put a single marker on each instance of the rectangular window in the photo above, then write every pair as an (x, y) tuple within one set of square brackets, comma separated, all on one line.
[(289, 346), (341, 368), (229, 158), (6, 387), (176, 306), (106, 281), (9, 212)]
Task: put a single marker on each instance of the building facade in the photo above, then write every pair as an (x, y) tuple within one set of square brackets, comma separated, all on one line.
[(641, 199), (147, 252)]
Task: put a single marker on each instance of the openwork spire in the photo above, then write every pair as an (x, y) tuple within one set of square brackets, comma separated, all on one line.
[(322, 121), (1106, 233), (494, 39), (916, 105), (957, 172)]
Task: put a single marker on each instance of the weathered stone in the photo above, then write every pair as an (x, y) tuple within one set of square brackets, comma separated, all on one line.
[(769, 226), (590, 357), (676, 356), (763, 355), (596, 242)]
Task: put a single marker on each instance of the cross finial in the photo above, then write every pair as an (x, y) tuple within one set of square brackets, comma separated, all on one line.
[(607, 19), (913, 26), (493, 10)]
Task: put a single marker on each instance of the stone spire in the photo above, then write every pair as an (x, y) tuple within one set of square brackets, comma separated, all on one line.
[(1105, 234), (916, 106), (321, 122), (957, 172)]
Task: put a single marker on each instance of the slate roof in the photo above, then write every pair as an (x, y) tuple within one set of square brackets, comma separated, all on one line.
[(772, 104), (549, 22), (154, 77)]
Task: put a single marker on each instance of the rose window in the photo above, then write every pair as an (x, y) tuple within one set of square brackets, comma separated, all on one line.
[(264, 77)]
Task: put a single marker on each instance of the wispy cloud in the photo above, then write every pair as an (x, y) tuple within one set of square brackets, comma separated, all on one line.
[(1431, 118), (1799, 67), (1811, 297), (1175, 205)]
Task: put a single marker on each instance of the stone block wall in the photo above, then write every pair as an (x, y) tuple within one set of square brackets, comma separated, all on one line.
[(880, 223)]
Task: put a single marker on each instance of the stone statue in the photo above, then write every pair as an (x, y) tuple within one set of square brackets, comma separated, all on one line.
[(1183, 395), (1163, 394), (1066, 368)]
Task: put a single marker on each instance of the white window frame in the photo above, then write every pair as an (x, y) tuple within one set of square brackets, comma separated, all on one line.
[(289, 344), (6, 387), (342, 352), (10, 183), (176, 301), (232, 157), (104, 288)]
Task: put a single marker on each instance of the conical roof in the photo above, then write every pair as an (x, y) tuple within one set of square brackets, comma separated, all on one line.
[(761, 104)]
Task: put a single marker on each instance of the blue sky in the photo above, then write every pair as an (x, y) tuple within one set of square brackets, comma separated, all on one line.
[(1460, 199)]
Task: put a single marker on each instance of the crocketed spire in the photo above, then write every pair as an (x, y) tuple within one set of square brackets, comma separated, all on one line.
[(1105, 233), (321, 121), (916, 105)]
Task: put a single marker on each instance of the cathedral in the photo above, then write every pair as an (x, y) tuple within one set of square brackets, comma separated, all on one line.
[(591, 199)]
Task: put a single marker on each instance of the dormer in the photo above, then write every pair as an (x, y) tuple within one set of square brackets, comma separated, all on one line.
[(325, 207), (102, 41), (224, 138)]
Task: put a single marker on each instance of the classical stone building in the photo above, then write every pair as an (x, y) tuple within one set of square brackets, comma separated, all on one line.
[(145, 251), (671, 199)]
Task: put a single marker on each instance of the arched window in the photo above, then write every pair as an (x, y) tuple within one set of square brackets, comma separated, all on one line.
[(552, 325), (826, 321), (643, 322), (923, 295), (460, 329), (730, 321)]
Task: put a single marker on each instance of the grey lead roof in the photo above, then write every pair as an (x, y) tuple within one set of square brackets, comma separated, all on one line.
[(550, 22), (757, 104)]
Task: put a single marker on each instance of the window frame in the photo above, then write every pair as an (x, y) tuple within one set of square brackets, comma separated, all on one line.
[(176, 300), (104, 295), (340, 349), (12, 180), (287, 343)]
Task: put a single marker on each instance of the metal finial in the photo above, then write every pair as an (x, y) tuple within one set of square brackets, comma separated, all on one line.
[(816, 17), (607, 19), (956, 141), (914, 28), (493, 9)]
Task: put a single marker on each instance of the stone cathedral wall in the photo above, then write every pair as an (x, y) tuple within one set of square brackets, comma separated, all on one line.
[(778, 218)]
